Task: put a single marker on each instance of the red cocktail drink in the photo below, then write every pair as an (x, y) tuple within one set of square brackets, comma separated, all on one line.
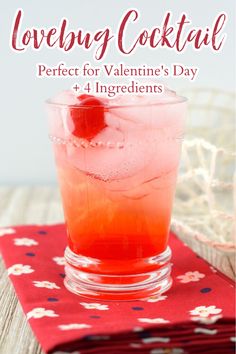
[(117, 164)]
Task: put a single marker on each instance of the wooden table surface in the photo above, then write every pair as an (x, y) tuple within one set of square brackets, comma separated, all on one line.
[(41, 205)]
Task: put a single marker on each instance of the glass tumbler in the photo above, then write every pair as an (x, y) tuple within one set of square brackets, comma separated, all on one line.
[(117, 185)]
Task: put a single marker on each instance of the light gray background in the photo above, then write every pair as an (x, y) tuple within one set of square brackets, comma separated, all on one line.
[(25, 152)]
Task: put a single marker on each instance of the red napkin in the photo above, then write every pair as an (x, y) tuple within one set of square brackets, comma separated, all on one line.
[(195, 316)]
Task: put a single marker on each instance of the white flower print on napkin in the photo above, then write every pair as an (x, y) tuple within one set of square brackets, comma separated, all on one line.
[(156, 340), (59, 260), (190, 276), (135, 345), (94, 306), (6, 231), (40, 312), (205, 311), (45, 284), (156, 298), (18, 269), (153, 320), (25, 242), (206, 320), (205, 331), (67, 327)]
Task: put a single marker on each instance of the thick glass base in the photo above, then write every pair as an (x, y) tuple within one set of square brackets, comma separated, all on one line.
[(82, 280)]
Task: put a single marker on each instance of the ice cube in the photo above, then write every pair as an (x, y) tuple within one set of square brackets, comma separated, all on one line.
[(162, 156), (121, 123), (151, 116), (112, 155), (139, 143)]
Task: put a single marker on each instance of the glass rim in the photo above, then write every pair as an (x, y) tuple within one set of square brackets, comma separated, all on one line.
[(179, 99)]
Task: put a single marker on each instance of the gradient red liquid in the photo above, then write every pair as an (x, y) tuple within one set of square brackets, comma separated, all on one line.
[(117, 192), (121, 229)]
